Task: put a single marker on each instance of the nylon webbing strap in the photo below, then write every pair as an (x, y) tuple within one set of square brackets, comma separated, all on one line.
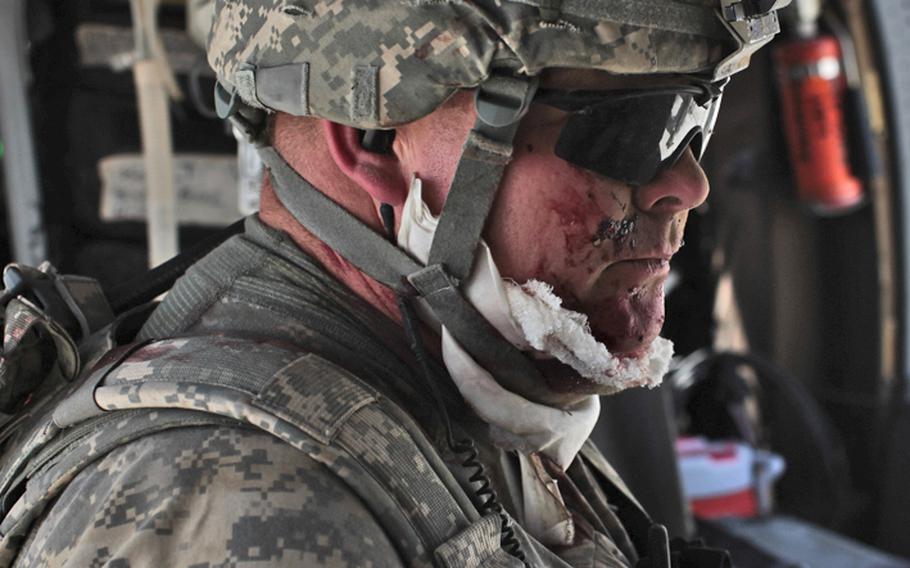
[(336, 227), (468, 204), (477, 336), (501, 103)]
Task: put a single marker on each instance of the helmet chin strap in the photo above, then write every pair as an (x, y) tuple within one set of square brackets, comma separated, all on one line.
[(501, 103)]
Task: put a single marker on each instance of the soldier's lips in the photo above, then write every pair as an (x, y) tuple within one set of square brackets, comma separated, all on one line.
[(626, 310), (639, 270)]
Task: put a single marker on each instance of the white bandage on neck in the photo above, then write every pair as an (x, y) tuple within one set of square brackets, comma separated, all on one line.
[(531, 317)]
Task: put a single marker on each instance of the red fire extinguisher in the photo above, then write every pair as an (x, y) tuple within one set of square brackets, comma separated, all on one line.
[(812, 88)]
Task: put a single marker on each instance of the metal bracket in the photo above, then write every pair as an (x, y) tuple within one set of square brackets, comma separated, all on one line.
[(247, 120), (226, 101), (752, 24)]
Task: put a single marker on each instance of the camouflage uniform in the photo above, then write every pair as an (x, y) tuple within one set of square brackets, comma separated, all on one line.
[(214, 496), (223, 495)]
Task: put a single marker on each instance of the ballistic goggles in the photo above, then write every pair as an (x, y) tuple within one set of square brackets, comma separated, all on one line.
[(633, 135)]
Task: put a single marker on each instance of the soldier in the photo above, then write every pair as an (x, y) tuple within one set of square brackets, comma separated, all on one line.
[(467, 221)]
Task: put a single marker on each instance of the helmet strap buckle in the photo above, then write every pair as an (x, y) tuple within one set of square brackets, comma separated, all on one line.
[(503, 100), (248, 120)]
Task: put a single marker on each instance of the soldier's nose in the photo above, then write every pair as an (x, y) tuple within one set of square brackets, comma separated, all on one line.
[(682, 187)]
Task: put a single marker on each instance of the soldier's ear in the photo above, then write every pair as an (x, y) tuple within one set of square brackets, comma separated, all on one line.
[(368, 160)]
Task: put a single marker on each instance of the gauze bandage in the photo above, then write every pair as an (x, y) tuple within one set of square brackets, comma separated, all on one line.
[(551, 329)]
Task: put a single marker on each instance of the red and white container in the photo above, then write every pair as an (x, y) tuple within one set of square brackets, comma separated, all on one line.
[(727, 479)]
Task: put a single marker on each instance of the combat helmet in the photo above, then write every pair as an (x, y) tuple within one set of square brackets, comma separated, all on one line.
[(376, 64)]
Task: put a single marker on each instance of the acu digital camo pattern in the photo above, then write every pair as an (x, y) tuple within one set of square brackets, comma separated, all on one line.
[(207, 497), (381, 63), (303, 402), (318, 408)]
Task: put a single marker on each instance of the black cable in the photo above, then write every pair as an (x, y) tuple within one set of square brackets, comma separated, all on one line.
[(465, 446)]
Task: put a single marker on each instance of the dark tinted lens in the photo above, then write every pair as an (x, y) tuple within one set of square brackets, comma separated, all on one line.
[(632, 135), (619, 139)]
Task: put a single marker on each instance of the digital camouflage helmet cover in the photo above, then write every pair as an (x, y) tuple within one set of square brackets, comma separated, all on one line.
[(381, 63)]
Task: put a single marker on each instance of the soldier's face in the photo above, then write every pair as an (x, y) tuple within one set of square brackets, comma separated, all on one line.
[(603, 245)]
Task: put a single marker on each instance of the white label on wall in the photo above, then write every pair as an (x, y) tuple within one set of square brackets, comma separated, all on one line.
[(115, 47), (206, 187), (250, 166)]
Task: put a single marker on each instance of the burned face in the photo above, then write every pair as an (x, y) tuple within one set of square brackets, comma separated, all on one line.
[(604, 246)]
